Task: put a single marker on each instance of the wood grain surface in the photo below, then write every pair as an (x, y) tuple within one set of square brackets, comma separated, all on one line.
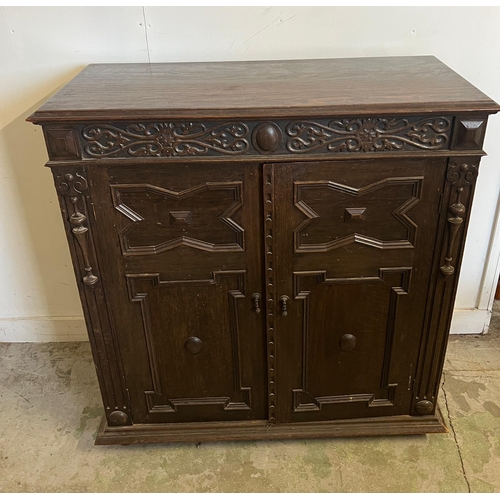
[(264, 89)]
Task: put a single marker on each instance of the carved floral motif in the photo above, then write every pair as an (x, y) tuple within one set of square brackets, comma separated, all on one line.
[(369, 134), (183, 139), (165, 139), (71, 183)]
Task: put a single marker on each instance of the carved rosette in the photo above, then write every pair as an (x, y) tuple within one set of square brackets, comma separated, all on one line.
[(369, 134), (460, 175)]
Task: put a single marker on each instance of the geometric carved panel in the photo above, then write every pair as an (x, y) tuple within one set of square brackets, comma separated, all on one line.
[(141, 288), (333, 221), (162, 219), (357, 213), (469, 133), (62, 143), (398, 281)]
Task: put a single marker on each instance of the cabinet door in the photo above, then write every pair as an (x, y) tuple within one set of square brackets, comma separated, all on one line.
[(354, 242), (181, 252)]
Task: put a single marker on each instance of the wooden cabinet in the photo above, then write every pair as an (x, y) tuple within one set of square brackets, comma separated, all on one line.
[(267, 249)]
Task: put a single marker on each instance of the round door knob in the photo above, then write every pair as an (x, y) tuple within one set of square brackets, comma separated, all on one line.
[(266, 137), (193, 345), (347, 342)]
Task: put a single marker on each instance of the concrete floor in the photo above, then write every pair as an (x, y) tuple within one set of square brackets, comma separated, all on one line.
[(50, 409)]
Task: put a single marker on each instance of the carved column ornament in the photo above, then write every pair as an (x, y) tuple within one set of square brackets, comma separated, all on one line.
[(460, 175), (460, 178), (80, 231), (73, 188), (74, 184)]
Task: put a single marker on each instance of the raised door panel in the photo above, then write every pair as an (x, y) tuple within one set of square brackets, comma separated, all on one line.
[(181, 245), (353, 242)]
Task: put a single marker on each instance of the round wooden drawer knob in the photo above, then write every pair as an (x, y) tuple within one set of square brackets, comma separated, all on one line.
[(193, 345), (266, 137), (347, 342)]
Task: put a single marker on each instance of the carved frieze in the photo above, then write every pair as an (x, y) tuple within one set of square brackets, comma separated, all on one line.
[(165, 139), (368, 134), (254, 138)]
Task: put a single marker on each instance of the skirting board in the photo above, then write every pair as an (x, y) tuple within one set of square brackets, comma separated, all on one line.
[(470, 321), (72, 328), (43, 329)]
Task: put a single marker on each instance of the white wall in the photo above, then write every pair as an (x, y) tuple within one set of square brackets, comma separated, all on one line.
[(43, 48)]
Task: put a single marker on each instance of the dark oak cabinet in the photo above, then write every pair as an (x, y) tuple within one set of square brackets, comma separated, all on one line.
[(267, 250)]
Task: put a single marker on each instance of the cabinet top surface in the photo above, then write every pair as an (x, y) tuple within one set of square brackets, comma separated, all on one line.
[(414, 84)]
